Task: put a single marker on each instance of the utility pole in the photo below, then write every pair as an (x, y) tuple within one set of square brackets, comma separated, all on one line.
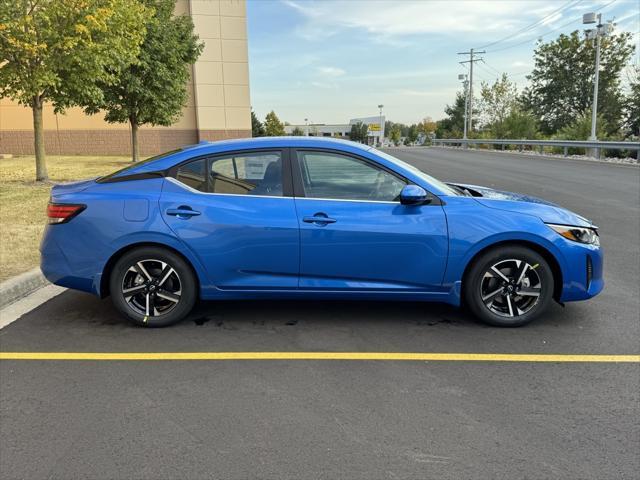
[(471, 61), (465, 85)]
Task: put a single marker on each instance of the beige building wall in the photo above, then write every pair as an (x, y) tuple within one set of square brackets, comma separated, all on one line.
[(218, 107)]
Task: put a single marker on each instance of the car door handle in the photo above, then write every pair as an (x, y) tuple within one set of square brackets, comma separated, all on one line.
[(319, 219), (182, 212)]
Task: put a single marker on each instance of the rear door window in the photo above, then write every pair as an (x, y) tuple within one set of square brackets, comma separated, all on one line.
[(247, 174), (257, 173)]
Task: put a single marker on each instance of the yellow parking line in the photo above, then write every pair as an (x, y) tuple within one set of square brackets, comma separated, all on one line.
[(393, 356)]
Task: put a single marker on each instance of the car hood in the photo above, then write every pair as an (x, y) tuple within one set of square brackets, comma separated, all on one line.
[(547, 211)]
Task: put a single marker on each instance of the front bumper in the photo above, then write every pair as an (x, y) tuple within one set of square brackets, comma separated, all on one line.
[(583, 276)]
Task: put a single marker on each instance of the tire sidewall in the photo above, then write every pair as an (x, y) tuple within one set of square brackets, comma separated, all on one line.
[(184, 271), (473, 297)]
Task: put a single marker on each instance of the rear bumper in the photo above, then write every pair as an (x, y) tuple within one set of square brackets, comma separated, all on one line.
[(60, 269)]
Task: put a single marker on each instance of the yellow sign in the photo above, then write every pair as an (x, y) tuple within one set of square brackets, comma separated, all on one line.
[(374, 127)]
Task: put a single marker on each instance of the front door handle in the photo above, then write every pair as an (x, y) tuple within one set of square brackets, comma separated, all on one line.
[(182, 212), (320, 219)]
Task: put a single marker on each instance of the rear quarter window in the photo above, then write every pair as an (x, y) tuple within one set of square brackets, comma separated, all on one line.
[(193, 174)]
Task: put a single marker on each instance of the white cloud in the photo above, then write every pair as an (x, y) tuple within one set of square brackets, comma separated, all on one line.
[(384, 19), (331, 71)]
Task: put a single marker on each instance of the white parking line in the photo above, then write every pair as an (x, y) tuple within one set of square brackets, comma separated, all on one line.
[(15, 310)]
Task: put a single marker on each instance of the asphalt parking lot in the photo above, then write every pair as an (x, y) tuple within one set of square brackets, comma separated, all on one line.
[(364, 419)]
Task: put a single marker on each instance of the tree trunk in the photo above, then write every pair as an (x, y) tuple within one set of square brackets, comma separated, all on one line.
[(38, 136), (134, 140)]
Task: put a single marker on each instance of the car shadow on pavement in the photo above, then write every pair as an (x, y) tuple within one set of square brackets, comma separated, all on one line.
[(76, 308)]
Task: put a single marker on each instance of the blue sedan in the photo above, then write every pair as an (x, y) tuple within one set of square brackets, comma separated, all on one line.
[(304, 217)]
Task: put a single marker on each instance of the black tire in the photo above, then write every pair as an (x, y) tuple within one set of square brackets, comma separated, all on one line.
[(515, 303), (164, 287)]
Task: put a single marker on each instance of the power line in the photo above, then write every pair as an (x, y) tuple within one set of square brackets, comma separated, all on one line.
[(492, 71), (570, 3), (492, 68), (546, 33), (536, 37), (486, 70)]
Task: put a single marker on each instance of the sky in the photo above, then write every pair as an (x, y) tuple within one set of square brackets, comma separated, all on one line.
[(330, 61)]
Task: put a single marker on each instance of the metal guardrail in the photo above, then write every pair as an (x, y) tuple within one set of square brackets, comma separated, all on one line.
[(596, 146)]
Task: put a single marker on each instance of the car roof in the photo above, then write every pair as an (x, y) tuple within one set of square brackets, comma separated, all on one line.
[(284, 141), (169, 159)]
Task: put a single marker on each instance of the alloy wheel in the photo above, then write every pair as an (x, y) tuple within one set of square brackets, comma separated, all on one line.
[(152, 287), (511, 288)]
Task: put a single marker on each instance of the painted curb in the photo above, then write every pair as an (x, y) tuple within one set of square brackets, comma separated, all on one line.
[(20, 286)]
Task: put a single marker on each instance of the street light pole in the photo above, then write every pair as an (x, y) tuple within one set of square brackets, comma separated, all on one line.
[(594, 109), (380, 138), (599, 31), (306, 128)]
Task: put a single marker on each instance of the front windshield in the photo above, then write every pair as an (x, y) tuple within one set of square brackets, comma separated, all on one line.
[(428, 178)]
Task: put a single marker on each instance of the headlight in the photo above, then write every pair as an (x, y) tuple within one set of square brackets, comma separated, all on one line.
[(577, 234)]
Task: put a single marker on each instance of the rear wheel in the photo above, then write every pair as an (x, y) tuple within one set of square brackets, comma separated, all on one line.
[(153, 287), (509, 287)]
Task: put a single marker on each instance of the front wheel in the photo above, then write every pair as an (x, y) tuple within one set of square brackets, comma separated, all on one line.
[(509, 287), (153, 287)]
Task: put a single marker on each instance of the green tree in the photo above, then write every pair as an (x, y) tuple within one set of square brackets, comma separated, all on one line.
[(561, 83), (395, 134), (58, 51), (273, 126), (153, 90), (427, 126), (580, 128), (257, 128), (297, 132), (519, 124), (412, 135), (497, 101), (359, 132), (632, 104), (404, 129), (453, 125)]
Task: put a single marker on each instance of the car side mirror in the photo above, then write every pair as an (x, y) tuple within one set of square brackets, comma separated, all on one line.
[(414, 195)]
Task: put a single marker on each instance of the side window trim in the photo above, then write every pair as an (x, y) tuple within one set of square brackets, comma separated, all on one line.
[(285, 154)]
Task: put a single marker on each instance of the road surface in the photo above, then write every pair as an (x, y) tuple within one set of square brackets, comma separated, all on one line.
[(345, 419)]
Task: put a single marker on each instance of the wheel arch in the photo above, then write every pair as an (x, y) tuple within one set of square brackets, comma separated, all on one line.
[(550, 258), (108, 268)]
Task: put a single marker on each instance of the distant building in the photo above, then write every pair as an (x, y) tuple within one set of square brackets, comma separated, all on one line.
[(218, 105), (375, 132)]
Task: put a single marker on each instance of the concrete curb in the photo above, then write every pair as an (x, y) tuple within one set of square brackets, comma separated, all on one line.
[(20, 286)]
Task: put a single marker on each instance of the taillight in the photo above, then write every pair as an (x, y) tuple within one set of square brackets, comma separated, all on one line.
[(63, 212)]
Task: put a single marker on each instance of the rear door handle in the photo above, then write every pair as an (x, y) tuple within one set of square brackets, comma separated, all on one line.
[(182, 212), (320, 219)]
